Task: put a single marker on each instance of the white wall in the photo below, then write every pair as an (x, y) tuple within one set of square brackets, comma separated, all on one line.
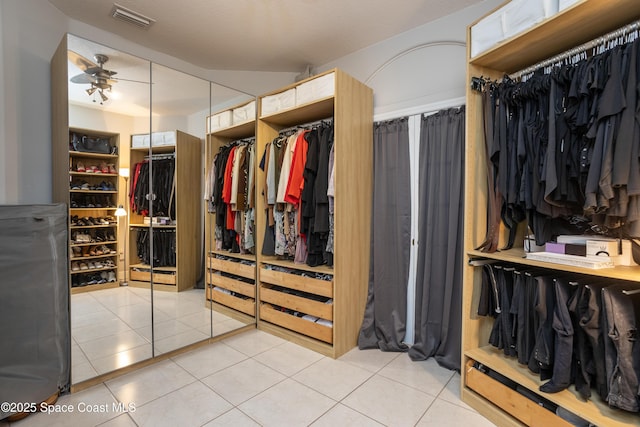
[(422, 68)]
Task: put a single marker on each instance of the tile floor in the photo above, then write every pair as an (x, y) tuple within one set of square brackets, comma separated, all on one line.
[(257, 379), (111, 328)]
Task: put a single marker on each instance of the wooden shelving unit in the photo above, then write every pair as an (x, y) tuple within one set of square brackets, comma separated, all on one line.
[(231, 287), (351, 107), (187, 201), (573, 26)]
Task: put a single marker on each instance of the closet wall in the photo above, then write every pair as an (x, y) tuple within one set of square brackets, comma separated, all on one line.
[(500, 403)]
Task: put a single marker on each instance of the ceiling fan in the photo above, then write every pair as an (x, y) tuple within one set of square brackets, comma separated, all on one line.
[(100, 78)]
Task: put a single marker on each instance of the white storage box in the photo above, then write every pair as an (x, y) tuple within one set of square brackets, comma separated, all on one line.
[(280, 101), (487, 33), (611, 248), (159, 139), (245, 113), (318, 88), (220, 120), (520, 15)]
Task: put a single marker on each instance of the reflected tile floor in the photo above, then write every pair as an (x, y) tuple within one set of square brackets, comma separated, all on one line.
[(111, 328), (256, 379)]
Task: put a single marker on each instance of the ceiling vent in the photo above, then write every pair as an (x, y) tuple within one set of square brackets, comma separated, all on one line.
[(128, 15)]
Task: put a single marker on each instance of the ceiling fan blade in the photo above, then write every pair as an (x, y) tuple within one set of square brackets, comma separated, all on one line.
[(83, 78), (119, 79), (80, 61)]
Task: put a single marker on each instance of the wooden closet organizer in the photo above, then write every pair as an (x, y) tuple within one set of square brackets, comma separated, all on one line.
[(350, 104), (232, 272), (187, 199), (578, 24)]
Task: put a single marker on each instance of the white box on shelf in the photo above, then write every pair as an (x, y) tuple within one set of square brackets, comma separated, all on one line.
[(220, 120), (618, 250), (159, 139), (245, 113), (520, 15), (280, 101), (487, 33), (318, 88)]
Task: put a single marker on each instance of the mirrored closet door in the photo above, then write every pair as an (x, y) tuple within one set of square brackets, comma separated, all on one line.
[(129, 157)]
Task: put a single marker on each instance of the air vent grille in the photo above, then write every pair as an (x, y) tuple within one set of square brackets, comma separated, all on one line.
[(128, 15)]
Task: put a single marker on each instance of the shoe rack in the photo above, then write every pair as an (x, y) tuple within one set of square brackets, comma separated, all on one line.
[(93, 227)]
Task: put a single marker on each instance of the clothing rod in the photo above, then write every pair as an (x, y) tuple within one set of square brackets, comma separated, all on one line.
[(328, 120), (160, 156), (620, 32)]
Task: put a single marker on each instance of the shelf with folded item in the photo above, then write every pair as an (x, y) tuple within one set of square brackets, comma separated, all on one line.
[(85, 154)]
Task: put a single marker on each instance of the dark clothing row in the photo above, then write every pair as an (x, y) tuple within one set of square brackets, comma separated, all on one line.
[(161, 179), (564, 143), (163, 253), (568, 329)]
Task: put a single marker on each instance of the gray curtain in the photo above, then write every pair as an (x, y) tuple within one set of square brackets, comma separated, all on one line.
[(439, 273), (384, 321)]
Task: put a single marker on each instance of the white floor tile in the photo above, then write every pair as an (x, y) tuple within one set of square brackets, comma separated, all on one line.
[(333, 378), (372, 360), (287, 404), (106, 346), (123, 420), (163, 329), (253, 342), (180, 340), (149, 383), (233, 418), (122, 359), (243, 381), (210, 359), (99, 330), (389, 402), (426, 375), (288, 358), (445, 414), (83, 413), (341, 415), (81, 372), (451, 392), (192, 405)]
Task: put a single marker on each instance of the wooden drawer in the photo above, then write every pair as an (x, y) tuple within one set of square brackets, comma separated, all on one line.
[(158, 277), (296, 303), (510, 401), (300, 283), (234, 285), (246, 271), (247, 306), (305, 327)]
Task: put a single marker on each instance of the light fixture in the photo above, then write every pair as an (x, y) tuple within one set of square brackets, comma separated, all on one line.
[(103, 96), (91, 90), (120, 211), (128, 15)]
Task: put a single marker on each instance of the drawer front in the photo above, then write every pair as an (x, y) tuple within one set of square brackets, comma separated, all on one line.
[(246, 271), (297, 324), (246, 306), (300, 283), (296, 303), (231, 284), (511, 401), (145, 276)]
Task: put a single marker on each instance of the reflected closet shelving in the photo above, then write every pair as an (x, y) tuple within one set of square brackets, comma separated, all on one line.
[(230, 276), (185, 149), (578, 24), (285, 295), (92, 195)]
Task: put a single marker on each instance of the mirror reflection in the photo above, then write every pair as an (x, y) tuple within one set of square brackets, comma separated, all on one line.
[(141, 281)]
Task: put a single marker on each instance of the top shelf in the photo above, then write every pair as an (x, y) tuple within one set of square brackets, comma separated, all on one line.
[(517, 256), (242, 130), (301, 114), (551, 36)]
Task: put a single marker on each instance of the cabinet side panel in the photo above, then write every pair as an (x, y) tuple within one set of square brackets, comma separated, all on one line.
[(353, 139), (60, 124)]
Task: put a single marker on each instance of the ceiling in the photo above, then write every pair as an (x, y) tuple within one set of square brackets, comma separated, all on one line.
[(261, 35)]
